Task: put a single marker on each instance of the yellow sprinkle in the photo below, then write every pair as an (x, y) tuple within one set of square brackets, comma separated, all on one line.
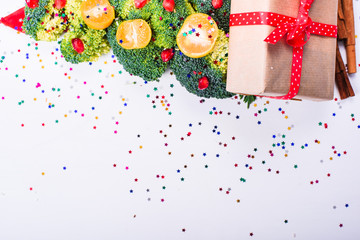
[(42, 67), (38, 55), (166, 109), (43, 173), (112, 75), (40, 60), (255, 105), (123, 99), (289, 128), (96, 118), (105, 62), (141, 147), (120, 113), (69, 77), (34, 99), (286, 155), (65, 115), (163, 104), (23, 66), (331, 158), (286, 117)]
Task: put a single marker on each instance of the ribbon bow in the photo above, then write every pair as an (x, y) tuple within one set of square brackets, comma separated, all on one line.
[(298, 32)]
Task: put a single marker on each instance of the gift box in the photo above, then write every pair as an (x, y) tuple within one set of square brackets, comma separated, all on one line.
[(260, 68)]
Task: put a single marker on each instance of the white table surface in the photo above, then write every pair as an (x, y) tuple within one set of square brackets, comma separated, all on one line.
[(117, 167)]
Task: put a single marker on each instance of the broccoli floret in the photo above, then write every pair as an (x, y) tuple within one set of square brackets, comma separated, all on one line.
[(123, 8), (45, 22), (94, 45), (214, 66), (188, 71), (145, 62), (73, 12), (221, 15), (166, 24)]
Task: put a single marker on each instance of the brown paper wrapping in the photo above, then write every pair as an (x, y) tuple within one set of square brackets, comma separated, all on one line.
[(258, 68)]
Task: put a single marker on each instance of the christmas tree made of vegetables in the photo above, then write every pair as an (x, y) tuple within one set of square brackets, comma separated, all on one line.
[(147, 36)]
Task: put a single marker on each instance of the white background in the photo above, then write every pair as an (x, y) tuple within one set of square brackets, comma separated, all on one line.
[(92, 199)]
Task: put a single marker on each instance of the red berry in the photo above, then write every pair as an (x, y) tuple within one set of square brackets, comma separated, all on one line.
[(59, 4), (78, 45), (169, 5), (167, 55), (140, 3), (32, 3), (203, 83), (217, 3)]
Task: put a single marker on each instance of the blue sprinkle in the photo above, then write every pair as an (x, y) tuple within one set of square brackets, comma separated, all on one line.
[(43, 91), (218, 133), (189, 76), (259, 122), (131, 191), (306, 145), (292, 144), (75, 111), (217, 155), (246, 165), (274, 136), (178, 171), (64, 168), (204, 154), (93, 108), (190, 125)]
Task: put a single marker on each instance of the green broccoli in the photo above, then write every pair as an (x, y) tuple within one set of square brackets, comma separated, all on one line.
[(166, 24), (123, 8), (221, 15), (145, 62), (45, 22), (214, 66), (73, 13), (95, 45)]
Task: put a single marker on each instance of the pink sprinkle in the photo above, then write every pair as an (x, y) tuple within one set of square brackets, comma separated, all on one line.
[(78, 97), (6, 68), (70, 69), (127, 168), (115, 132), (82, 115), (106, 92), (117, 123), (84, 82)]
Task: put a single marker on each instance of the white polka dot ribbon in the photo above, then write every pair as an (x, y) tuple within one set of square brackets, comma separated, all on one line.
[(296, 30)]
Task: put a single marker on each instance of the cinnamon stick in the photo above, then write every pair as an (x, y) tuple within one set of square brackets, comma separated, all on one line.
[(341, 78), (348, 14)]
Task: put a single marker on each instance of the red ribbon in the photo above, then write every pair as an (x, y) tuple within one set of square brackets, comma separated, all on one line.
[(296, 30)]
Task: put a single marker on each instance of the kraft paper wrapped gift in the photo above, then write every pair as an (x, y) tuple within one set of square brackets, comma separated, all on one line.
[(259, 68)]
